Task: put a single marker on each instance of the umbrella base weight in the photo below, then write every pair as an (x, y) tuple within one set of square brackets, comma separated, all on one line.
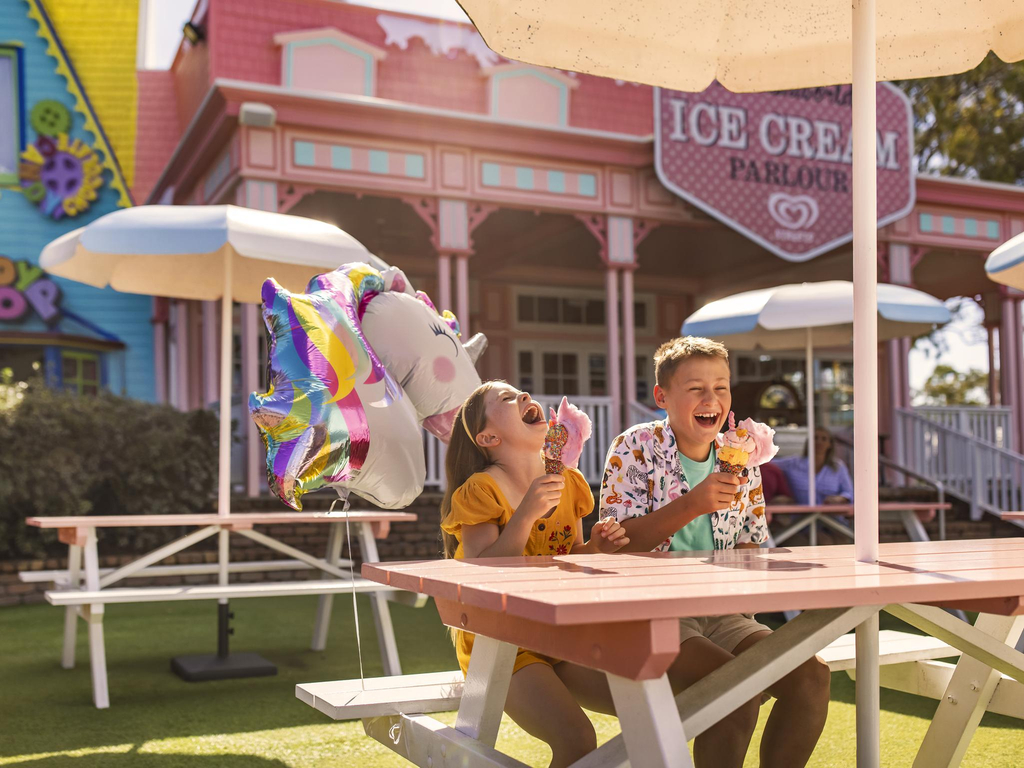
[(210, 666)]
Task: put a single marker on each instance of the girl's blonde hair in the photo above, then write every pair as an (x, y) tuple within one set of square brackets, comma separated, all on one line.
[(465, 457)]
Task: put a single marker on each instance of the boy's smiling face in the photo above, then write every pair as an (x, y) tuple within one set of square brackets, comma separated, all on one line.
[(697, 399)]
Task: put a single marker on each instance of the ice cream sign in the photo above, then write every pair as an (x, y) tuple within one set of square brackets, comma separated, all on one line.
[(777, 167), (24, 287)]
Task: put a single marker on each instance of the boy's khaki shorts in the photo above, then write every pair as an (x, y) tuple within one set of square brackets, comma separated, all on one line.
[(724, 631)]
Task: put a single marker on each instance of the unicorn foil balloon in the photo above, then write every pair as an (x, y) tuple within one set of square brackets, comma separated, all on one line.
[(335, 415)]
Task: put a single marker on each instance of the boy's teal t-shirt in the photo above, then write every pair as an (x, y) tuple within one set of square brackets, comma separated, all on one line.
[(696, 535)]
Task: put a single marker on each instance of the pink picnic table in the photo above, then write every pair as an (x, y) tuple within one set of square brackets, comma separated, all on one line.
[(619, 614), (1013, 515), (84, 589), (910, 514)]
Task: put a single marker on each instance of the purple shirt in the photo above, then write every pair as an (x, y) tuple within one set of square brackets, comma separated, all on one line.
[(831, 481)]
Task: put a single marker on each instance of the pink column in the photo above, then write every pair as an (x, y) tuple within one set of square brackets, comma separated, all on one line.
[(255, 465), (993, 376), (462, 293), (629, 342), (900, 273), (160, 359), (181, 355), (444, 281), (612, 320), (1009, 349), (211, 352), (1018, 370)]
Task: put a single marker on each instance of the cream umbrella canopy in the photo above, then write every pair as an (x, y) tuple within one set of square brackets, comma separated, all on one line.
[(205, 253), (766, 45)]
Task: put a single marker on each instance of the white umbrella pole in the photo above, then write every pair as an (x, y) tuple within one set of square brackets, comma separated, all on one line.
[(226, 337), (865, 365), (812, 496)]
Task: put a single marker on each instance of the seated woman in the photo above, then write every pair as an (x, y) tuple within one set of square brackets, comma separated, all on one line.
[(833, 484)]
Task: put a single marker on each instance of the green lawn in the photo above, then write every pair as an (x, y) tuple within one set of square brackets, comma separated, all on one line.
[(157, 721)]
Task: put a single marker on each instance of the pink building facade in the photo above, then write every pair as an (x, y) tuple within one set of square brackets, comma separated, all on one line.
[(523, 199)]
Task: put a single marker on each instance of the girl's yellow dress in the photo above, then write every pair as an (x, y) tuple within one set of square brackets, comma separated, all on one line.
[(480, 500)]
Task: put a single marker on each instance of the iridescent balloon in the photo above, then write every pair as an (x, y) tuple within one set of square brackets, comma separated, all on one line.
[(334, 416)]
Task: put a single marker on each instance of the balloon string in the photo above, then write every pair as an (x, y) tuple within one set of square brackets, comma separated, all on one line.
[(352, 581)]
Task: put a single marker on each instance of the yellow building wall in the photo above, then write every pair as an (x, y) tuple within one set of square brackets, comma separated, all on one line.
[(100, 39)]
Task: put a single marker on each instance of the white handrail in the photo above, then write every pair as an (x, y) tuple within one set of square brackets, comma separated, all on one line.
[(990, 424), (987, 476)]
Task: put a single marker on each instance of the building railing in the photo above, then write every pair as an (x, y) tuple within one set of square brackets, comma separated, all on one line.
[(990, 424), (988, 477), (638, 413)]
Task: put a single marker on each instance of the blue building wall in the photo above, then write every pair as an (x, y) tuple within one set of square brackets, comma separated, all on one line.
[(25, 230)]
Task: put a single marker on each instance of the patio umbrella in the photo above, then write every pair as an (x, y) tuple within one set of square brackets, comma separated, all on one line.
[(1005, 264), (800, 315), (768, 45), (206, 253)]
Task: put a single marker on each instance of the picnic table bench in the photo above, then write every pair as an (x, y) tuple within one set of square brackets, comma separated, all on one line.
[(619, 614), (909, 513), (84, 588)]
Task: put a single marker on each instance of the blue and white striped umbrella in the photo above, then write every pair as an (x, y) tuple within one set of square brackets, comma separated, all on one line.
[(779, 318), (1005, 264)]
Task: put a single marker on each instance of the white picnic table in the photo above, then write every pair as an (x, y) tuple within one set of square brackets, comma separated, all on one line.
[(908, 512), (618, 614), (84, 588)]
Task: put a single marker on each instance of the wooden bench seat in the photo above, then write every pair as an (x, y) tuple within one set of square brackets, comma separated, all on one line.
[(441, 691), (153, 571), (209, 591), (893, 648), (402, 694)]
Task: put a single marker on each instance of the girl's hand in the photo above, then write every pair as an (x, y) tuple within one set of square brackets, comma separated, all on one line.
[(608, 536), (544, 494)]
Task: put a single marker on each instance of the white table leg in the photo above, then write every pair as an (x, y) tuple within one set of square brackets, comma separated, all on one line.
[(650, 722), (71, 612), (97, 652), (486, 688), (813, 531), (323, 609), (966, 699), (381, 610), (792, 530), (868, 738), (912, 524)]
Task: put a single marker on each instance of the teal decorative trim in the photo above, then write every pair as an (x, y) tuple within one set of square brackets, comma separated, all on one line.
[(925, 222), (414, 166), (556, 182), (378, 161), (491, 175), (971, 227), (524, 178), (992, 230), (305, 153), (588, 185), (948, 225), (341, 158)]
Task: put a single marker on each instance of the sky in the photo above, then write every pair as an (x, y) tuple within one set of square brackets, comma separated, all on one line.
[(963, 342)]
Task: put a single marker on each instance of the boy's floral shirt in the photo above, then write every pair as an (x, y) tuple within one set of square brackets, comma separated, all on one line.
[(643, 472)]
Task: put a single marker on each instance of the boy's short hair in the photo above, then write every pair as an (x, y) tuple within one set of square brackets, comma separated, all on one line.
[(672, 354)]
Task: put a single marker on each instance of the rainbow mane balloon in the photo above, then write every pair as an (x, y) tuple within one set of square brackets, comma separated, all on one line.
[(334, 414)]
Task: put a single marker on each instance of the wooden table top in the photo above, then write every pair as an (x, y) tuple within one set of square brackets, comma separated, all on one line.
[(589, 589), (847, 509), (235, 518)]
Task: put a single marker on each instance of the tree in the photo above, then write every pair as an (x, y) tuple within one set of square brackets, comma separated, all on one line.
[(971, 124), (948, 386)]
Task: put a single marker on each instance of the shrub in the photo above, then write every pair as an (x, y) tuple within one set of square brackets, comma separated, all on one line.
[(62, 454)]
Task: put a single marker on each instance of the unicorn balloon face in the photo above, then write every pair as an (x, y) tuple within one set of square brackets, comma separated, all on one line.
[(336, 413), (423, 351)]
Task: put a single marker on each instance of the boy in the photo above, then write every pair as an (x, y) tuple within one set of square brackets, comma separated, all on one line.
[(662, 483)]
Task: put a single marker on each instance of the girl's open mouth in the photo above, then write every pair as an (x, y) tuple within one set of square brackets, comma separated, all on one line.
[(707, 418), (533, 414)]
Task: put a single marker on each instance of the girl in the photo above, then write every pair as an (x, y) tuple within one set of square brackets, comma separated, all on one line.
[(499, 503)]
